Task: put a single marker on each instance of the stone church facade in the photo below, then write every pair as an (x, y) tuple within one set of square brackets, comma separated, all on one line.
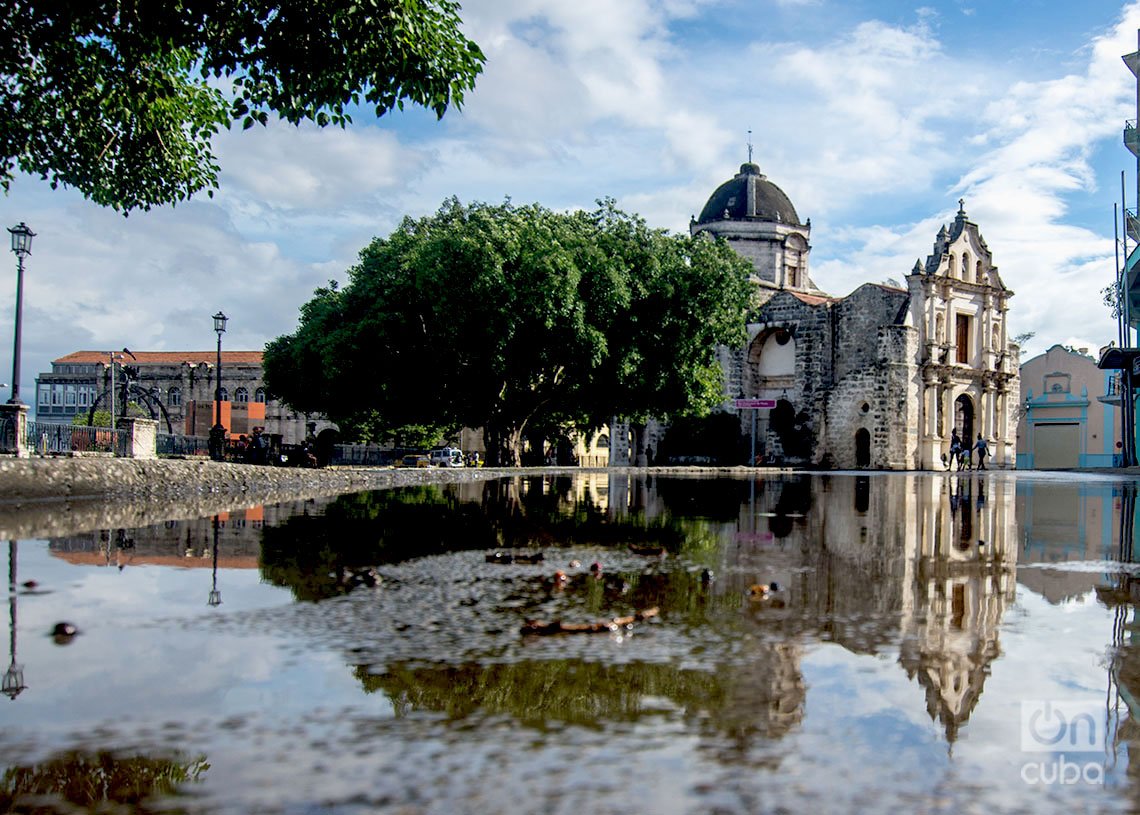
[(877, 379)]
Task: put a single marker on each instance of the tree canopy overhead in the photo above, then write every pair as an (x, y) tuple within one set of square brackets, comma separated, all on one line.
[(120, 98), (512, 318)]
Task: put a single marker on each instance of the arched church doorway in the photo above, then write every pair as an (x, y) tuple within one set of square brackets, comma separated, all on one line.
[(862, 448), (792, 429), (964, 419)]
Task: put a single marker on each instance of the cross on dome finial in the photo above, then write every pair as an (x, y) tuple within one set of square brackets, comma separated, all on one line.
[(961, 206), (749, 146)]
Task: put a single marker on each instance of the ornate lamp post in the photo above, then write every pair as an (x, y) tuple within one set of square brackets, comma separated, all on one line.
[(215, 598), (22, 246), (218, 431), (13, 681)]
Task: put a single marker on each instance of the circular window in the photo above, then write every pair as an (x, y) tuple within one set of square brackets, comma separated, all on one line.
[(782, 337), (865, 407)]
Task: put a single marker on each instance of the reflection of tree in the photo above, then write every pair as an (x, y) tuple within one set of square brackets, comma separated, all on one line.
[(94, 780), (717, 499), (310, 553), (737, 705)]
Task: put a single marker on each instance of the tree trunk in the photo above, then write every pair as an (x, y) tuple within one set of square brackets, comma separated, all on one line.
[(504, 445), (640, 459)]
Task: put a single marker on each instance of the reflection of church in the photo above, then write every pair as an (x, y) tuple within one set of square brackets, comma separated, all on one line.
[(924, 564), (878, 378)]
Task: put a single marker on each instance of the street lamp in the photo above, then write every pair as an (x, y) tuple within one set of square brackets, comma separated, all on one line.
[(22, 246), (218, 432)]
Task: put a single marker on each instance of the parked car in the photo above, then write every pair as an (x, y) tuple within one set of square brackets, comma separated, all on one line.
[(447, 457), (414, 460)]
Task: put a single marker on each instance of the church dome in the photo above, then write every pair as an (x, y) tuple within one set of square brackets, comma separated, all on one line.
[(749, 196)]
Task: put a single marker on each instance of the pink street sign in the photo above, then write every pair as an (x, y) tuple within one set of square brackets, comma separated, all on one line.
[(755, 404)]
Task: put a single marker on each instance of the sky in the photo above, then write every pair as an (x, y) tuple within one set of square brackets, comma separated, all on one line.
[(874, 116)]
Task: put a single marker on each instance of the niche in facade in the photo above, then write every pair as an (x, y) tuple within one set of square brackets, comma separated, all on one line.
[(774, 354)]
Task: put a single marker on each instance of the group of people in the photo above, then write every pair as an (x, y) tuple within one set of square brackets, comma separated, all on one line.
[(962, 455), (253, 449)]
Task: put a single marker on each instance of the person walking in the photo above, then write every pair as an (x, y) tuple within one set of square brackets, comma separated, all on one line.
[(955, 450), (983, 450)]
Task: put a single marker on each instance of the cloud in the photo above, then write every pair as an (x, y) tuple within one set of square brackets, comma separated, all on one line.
[(874, 128), (282, 167)]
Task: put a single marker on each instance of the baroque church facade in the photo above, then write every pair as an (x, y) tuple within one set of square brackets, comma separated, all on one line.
[(877, 379)]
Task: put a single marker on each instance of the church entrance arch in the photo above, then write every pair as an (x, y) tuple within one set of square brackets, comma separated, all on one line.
[(862, 448), (964, 419)]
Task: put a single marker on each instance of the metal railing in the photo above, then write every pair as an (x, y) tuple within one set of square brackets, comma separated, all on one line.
[(1132, 225), (167, 445), (50, 438), (361, 455)]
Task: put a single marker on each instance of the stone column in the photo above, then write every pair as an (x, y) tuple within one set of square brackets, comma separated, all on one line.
[(14, 430), (142, 435)]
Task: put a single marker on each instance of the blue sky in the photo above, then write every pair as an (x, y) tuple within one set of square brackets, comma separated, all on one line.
[(874, 117)]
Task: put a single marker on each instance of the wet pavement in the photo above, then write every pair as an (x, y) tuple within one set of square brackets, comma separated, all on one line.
[(931, 643)]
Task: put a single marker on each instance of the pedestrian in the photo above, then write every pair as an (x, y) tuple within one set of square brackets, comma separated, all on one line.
[(983, 450), (955, 449), (257, 447)]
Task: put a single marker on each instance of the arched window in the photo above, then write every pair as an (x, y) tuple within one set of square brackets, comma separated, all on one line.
[(241, 395), (174, 397), (979, 274), (966, 266), (224, 395), (259, 395), (774, 354)]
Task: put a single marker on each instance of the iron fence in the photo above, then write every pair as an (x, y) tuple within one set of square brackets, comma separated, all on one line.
[(50, 438), (167, 445), (362, 455)]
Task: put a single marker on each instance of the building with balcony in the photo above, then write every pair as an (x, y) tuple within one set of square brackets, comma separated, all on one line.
[(1124, 358), (175, 387)]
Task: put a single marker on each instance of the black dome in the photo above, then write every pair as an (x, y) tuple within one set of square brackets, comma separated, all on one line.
[(749, 196)]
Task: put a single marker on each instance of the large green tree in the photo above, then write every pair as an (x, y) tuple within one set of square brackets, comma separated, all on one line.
[(120, 98), (512, 318)]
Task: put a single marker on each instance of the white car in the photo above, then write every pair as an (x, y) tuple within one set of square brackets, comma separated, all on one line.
[(447, 457)]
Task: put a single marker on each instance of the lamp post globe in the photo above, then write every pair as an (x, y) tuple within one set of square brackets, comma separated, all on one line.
[(22, 247), (218, 431)]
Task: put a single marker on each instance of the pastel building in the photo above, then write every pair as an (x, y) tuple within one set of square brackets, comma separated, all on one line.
[(1070, 412)]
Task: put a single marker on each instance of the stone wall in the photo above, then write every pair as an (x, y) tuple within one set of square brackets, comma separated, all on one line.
[(65, 494), (857, 320)]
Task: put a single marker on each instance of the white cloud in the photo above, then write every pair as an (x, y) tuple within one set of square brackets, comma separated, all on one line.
[(874, 129)]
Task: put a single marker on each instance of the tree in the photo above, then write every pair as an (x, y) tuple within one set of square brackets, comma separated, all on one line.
[(514, 318), (690, 295), (120, 100), (1113, 298)]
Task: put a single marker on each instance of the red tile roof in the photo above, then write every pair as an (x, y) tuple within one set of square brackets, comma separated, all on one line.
[(166, 357), (812, 299)]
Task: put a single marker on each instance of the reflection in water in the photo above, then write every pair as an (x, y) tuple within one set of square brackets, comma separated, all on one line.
[(14, 676), (890, 569), (94, 781), (895, 587), (215, 598)]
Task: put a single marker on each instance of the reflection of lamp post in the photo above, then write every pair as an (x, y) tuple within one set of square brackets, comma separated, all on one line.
[(22, 246), (218, 432), (215, 595), (14, 676)]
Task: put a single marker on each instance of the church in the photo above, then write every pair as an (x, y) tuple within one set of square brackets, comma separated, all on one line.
[(877, 379)]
